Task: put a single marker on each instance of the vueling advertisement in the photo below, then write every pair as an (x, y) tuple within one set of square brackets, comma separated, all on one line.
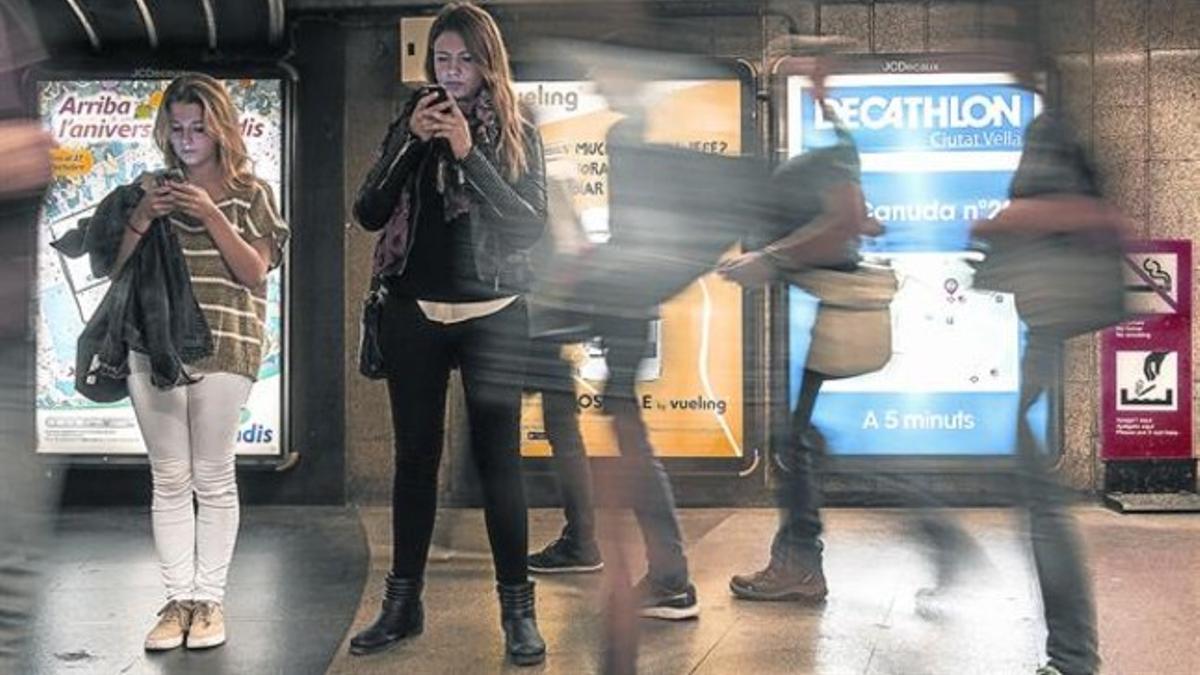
[(690, 383), (104, 130)]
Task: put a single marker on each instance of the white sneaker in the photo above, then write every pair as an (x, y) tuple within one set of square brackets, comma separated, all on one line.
[(208, 626)]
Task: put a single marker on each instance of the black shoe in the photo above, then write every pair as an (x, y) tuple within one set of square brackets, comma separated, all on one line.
[(782, 581), (522, 641), (402, 616), (563, 556), (670, 604)]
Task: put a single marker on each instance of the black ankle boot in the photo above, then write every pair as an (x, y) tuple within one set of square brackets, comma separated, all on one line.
[(522, 641), (402, 616)]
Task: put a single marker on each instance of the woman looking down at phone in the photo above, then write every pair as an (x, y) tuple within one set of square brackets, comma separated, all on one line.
[(231, 235), (458, 195)]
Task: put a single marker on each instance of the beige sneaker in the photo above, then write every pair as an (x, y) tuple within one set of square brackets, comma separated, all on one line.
[(173, 621), (208, 626)]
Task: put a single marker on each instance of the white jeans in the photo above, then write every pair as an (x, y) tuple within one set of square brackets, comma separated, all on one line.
[(190, 433)]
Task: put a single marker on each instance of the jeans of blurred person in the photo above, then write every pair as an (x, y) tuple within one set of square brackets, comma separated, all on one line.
[(1071, 643), (798, 539), (1070, 614), (25, 494), (26, 491), (645, 478), (550, 375), (419, 354)]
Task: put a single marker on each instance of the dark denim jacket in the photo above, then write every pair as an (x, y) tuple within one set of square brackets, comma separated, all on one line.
[(149, 307)]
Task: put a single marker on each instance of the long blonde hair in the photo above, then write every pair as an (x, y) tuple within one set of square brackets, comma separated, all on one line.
[(221, 124), (483, 40)]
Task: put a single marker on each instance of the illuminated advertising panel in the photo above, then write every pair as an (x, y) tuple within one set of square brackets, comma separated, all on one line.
[(938, 152), (104, 129), (690, 384)]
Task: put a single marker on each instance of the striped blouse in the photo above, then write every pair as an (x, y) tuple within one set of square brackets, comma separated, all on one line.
[(236, 314)]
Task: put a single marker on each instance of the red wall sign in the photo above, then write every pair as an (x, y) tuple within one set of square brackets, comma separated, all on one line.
[(1146, 362)]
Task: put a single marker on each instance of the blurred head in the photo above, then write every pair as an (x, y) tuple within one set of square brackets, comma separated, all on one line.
[(197, 125), (466, 55)]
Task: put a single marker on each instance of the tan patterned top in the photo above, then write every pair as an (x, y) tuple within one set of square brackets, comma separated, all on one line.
[(236, 314)]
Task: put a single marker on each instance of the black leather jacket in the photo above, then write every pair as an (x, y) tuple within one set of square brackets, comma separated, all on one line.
[(506, 219)]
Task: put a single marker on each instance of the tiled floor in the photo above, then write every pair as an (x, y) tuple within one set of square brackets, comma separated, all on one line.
[(298, 573), (293, 587), (1148, 601)]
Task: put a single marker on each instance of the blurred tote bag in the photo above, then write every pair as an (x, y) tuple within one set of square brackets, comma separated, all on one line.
[(1064, 284), (853, 331)]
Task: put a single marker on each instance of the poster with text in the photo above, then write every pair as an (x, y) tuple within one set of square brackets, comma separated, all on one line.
[(938, 152), (104, 130), (690, 384)]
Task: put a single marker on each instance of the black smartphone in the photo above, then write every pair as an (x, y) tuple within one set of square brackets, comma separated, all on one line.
[(172, 175), (433, 89)]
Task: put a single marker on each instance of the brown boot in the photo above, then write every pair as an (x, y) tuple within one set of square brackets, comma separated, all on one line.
[(782, 581)]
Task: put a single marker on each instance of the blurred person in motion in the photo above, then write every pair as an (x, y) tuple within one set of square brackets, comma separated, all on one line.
[(551, 375), (25, 492), (458, 196), (822, 216), (1056, 210), (180, 332)]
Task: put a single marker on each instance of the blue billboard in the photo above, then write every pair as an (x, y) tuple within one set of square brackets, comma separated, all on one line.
[(938, 152)]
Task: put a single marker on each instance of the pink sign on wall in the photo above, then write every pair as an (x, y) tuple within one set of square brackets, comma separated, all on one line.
[(1146, 362)]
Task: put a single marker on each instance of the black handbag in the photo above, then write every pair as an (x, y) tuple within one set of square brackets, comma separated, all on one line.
[(370, 354)]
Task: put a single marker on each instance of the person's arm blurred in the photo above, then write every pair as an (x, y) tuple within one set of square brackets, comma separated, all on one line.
[(25, 149), (1051, 214)]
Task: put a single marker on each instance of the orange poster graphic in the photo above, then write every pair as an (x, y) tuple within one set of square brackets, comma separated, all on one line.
[(690, 385)]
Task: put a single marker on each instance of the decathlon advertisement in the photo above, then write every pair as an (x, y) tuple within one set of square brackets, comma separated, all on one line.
[(691, 382), (104, 129), (938, 152)]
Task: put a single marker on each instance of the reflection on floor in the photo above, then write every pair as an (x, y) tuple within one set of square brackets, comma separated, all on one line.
[(299, 572), (293, 588), (1143, 568)]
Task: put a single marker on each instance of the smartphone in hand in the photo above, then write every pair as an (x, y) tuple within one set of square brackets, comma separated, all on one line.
[(172, 175), (438, 89)]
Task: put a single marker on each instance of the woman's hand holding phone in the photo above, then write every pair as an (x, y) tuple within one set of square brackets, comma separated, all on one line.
[(431, 99)]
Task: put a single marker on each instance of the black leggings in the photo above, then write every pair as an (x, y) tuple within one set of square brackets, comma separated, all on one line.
[(419, 353)]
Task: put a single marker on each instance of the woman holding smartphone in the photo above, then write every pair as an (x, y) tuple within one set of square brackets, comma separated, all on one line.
[(458, 194), (231, 235)]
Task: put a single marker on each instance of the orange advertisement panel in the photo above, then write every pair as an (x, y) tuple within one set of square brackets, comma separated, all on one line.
[(690, 384)]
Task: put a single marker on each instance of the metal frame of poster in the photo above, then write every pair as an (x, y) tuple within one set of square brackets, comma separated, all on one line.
[(965, 174), (573, 120), (105, 142), (1146, 362)]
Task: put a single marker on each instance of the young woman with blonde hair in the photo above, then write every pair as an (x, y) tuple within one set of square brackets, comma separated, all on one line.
[(230, 233), (458, 194)]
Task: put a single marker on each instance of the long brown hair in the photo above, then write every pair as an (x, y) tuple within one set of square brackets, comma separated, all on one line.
[(482, 37), (221, 123)]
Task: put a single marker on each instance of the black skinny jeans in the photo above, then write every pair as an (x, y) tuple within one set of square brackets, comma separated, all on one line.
[(419, 354)]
